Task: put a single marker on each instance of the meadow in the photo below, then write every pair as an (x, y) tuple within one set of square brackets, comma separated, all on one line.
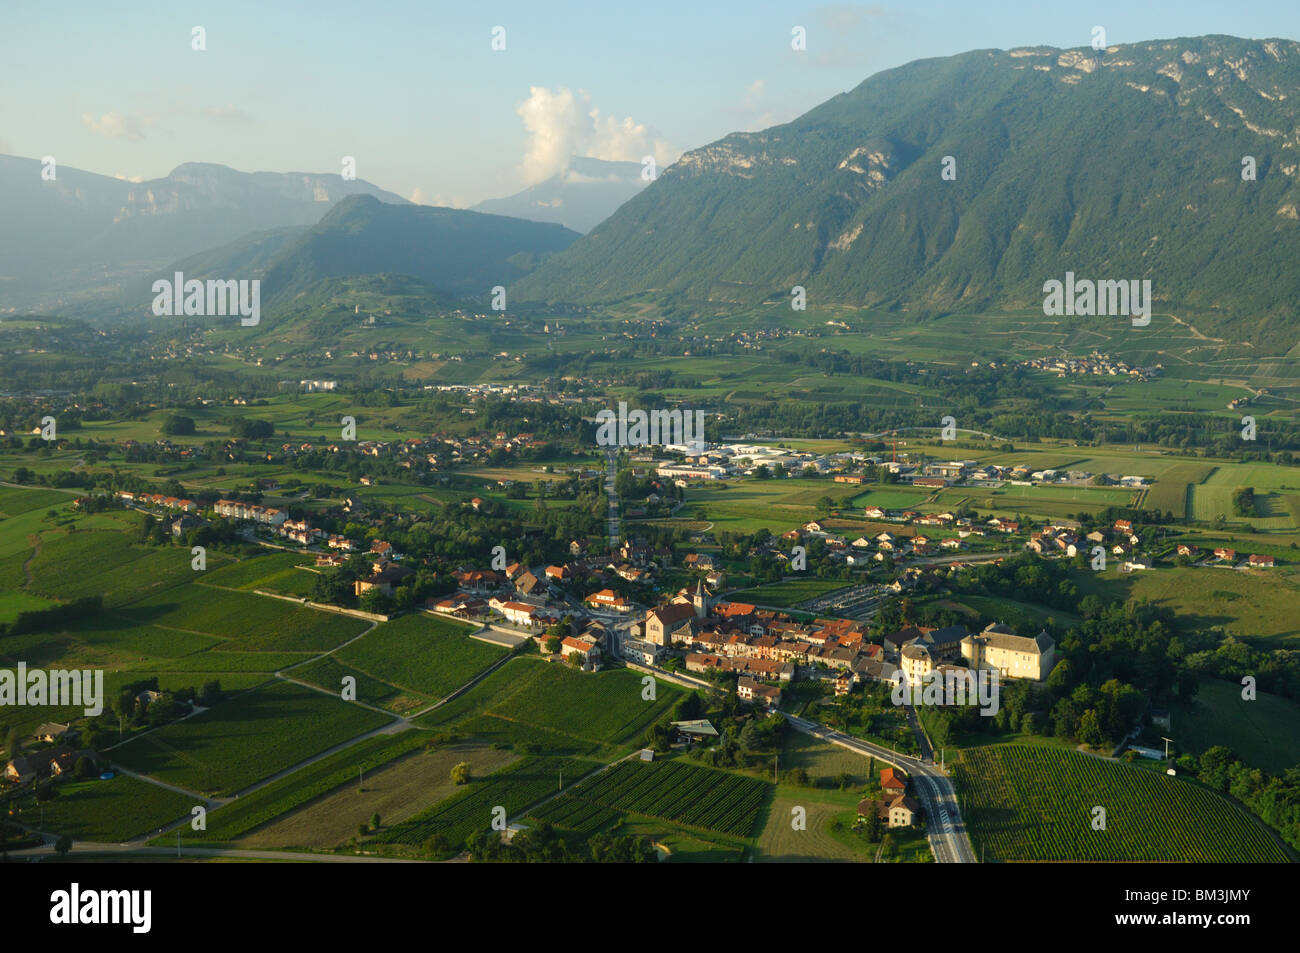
[(1264, 731)]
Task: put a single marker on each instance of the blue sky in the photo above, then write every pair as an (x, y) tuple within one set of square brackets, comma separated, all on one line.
[(415, 93)]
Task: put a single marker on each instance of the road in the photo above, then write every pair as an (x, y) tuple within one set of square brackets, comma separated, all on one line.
[(945, 829), (611, 460)]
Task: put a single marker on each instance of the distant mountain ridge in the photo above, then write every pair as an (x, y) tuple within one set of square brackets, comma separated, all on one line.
[(1120, 164), (84, 234), (458, 251), (581, 197)]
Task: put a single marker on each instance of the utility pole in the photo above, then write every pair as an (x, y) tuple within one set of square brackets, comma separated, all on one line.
[(360, 789), (1166, 741), (178, 843)]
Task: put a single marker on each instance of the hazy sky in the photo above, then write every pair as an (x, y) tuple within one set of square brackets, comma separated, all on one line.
[(415, 92)]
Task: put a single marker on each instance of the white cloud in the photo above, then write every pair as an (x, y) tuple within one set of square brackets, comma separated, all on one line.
[(128, 178), (562, 124), (420, 197), (114, 125)]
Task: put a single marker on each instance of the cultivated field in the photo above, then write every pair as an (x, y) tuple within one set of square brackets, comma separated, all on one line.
[(1037, 803), (246, 738)]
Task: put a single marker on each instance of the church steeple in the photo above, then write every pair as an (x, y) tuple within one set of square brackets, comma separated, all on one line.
[(700, 600)]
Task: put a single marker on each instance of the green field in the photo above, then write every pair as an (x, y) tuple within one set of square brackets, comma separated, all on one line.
[(471, 809), (686, 794), (1265, 732), (788, 592), (530, 701), (246, 738), (1255, 605), (249, 811), (250, 622), (421, 653), (14, 603), (109, 811), (1037, 803)]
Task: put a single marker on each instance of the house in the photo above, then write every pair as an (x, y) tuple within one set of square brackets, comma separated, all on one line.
[(53, 731), (892, 781), (22, 769), (903, 811), (383, 580), (751, 691), (608, 599), (1225, 555), (895, 811), (587, 650), (64, 761), (1257, 561), (529, 585)]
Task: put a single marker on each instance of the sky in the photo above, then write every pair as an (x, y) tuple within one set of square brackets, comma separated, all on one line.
[(418, 96)]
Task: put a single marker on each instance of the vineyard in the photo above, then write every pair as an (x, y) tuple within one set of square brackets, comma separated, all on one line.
[(677, 792), (1030, 803), (575, 814), (469, 811)]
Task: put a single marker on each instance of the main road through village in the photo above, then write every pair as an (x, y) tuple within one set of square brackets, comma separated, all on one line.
[(946, 830)]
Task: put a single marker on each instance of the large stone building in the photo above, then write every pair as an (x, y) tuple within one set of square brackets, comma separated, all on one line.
[(1011, 655)]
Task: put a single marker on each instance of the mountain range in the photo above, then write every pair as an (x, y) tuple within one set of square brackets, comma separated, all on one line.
[(1123, 164), (80, 234)]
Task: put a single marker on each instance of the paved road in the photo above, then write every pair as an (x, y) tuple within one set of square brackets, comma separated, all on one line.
[(611, 460), (945, 828)]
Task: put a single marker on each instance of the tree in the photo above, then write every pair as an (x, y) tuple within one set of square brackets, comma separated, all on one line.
[(178, 425), (460, 773), (1090, 730), (374, 821), (875, 828), (552, 644), (63, 845)]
